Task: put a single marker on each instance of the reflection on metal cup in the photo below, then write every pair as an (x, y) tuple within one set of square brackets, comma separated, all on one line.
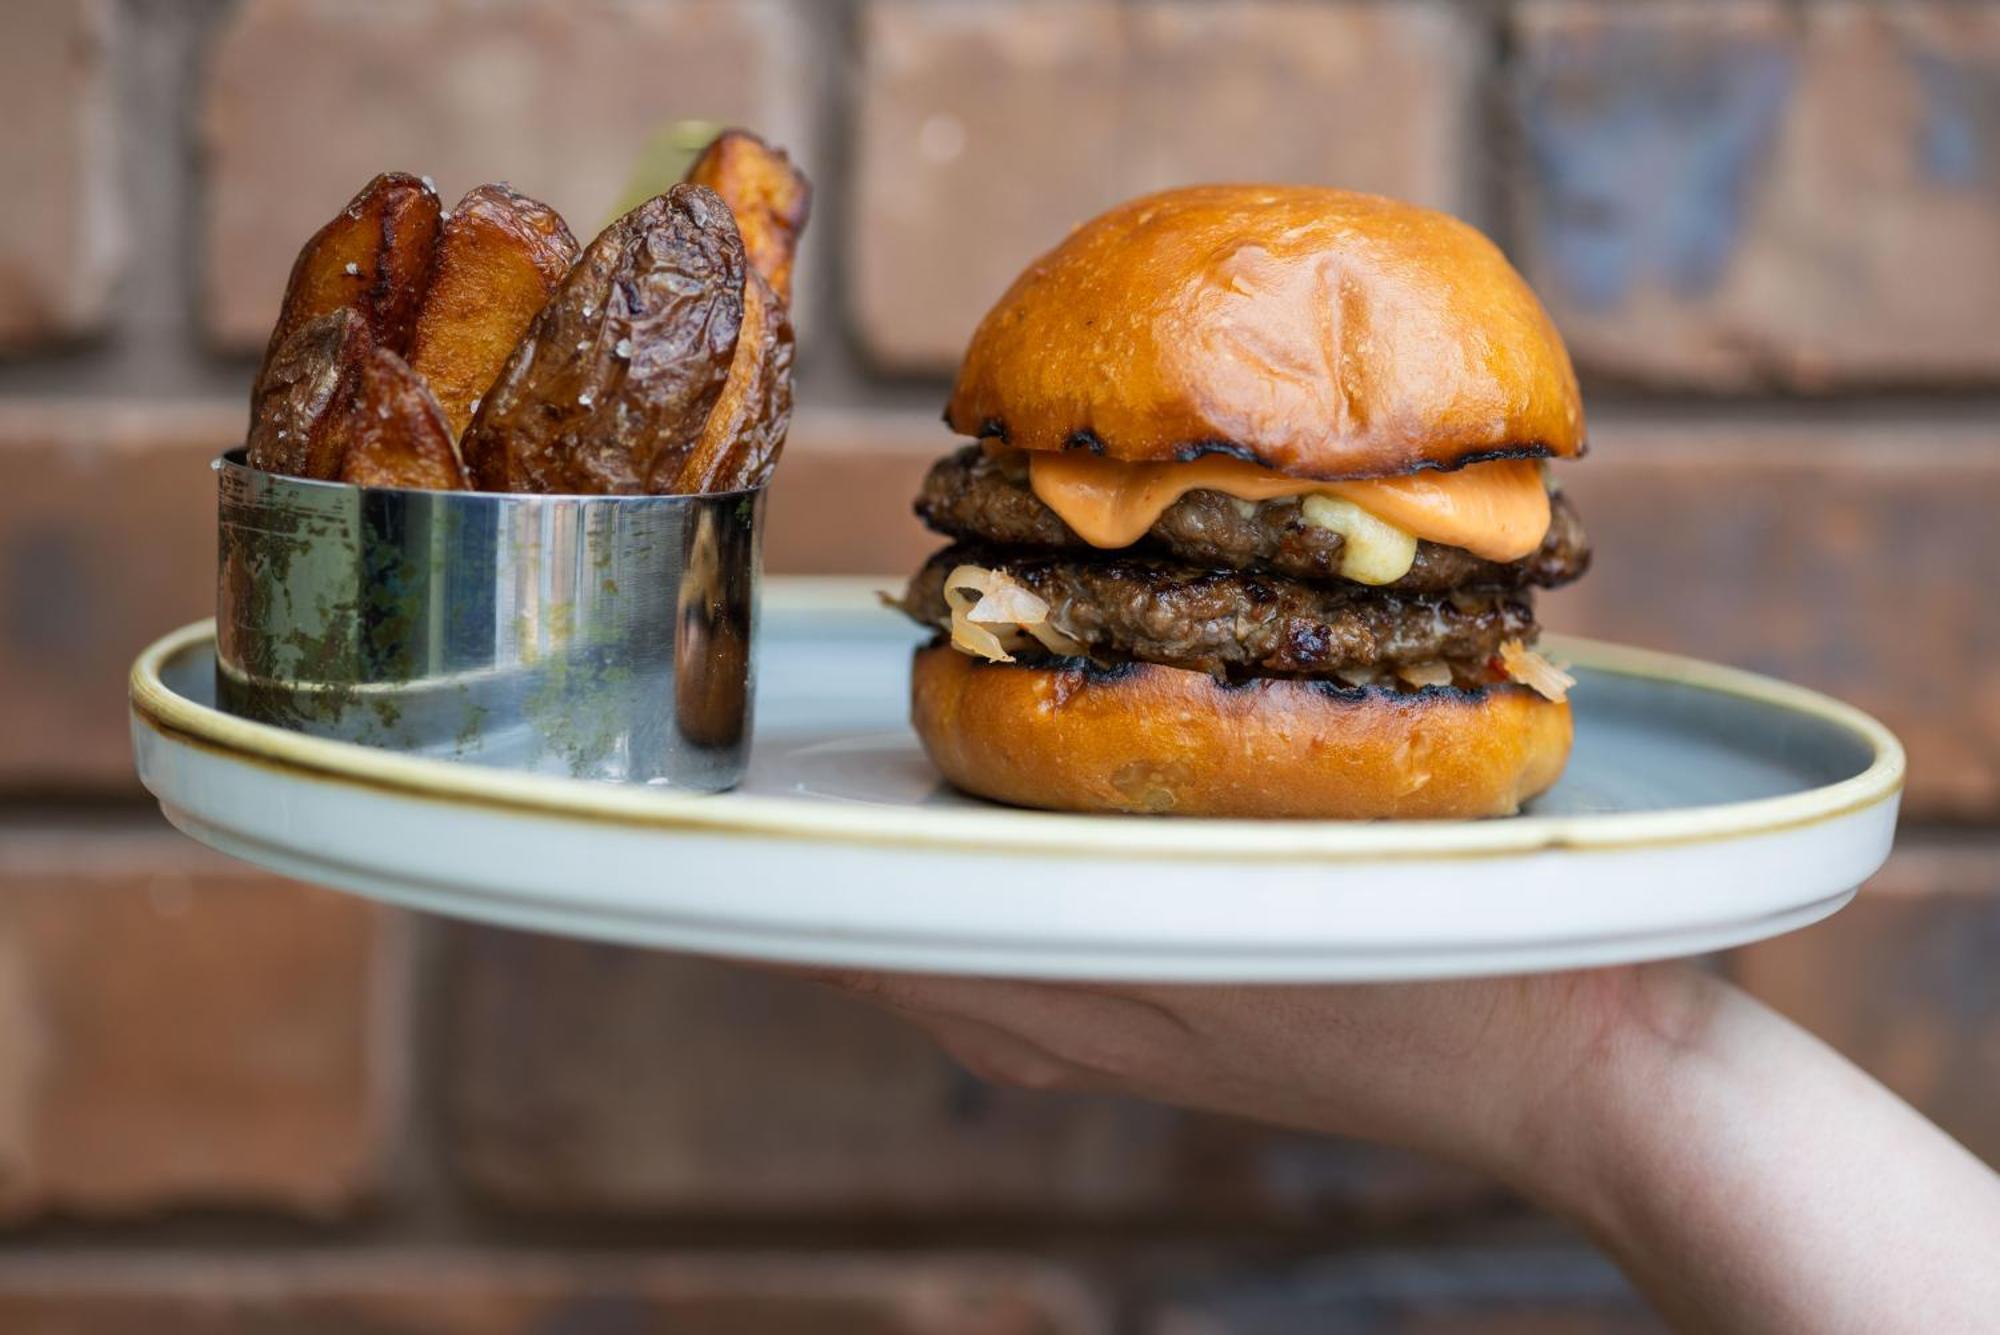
[(599, 637)]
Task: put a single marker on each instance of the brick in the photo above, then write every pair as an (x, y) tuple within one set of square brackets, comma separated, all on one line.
[(1845, 557), (1764, 192), (378, 1292), (107, 540), (592, 1079), (985, 131), (840, 502), (308, 99), (62, 238), (1522, 1291), (1902, 981), (184, 1031)]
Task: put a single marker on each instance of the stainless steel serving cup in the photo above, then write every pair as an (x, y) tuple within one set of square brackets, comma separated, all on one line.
[(600, 637)]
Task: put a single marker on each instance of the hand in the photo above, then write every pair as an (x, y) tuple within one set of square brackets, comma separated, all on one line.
[(1746, 1176), (1465, 1070)]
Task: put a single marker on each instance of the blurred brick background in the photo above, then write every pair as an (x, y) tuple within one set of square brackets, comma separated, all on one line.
[(1771, 232)]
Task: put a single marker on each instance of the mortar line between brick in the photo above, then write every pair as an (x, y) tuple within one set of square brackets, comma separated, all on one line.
[(830, 30), (1499, 168)]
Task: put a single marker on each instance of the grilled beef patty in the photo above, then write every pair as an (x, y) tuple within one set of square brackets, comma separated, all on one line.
[(974, 497), (1236, 623)]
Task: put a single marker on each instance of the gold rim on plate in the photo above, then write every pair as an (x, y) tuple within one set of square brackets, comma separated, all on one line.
[(1017, 832)]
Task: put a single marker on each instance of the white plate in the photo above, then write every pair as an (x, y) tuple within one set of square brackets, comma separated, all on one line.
[(1704, 807)]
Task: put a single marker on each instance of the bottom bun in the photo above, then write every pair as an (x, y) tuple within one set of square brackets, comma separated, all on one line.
[(1167, 741)]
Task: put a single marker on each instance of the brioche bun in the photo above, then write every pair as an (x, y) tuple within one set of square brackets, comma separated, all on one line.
[(1319, 332), (1162, 740)]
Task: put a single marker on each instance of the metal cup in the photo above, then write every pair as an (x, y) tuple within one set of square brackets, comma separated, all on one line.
[(599, 637)]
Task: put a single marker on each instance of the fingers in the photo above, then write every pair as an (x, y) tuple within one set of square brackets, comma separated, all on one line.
[(999, 1057), (1106, 1036), (1391, 1063), (928, 995), (992, 1052)]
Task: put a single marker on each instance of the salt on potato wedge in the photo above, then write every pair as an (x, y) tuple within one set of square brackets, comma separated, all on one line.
[(396, 433), (617, 376), (374, 257), (499, 257), (355, 286), (739, 443), (297, 417)]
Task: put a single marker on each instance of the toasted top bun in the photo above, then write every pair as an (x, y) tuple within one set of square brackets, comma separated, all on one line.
[(1319, 332)]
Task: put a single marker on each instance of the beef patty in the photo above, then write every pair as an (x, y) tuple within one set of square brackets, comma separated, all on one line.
[(973, 496), (1236, 623)]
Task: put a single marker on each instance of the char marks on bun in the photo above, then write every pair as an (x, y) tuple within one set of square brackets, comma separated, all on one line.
[(1167, 741), (1323, 333)]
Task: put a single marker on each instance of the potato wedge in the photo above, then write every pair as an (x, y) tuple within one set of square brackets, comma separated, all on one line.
[(618, 374), (739, 443), (769, 196), (375, 256), (297, 417), (499, 257), (396, 433)]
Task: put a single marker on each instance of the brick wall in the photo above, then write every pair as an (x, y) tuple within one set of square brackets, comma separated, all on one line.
[(1771, 232)]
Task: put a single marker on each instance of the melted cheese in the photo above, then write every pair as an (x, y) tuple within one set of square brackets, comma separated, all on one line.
[(1371, 552), (1498, 510)]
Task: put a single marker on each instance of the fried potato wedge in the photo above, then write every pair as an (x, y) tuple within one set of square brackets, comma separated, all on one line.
[(617, 376), (375, 256), (739, 443), (770, 197), (499, 257), (396, 434), (297, 416)]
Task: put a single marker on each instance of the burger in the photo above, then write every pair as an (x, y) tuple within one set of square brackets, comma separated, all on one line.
[(1250, 524)]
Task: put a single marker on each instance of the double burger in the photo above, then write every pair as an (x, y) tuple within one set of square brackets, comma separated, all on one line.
[(1256, 502)]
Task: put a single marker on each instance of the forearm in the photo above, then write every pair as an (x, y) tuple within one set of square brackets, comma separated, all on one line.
[(1750, 1179)]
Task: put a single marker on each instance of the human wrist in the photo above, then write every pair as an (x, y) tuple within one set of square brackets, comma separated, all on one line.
[(1615, 1045)]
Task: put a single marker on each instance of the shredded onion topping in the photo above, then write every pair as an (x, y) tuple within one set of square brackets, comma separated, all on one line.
[(1538, 674), (994, 614), (1003, 602)]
